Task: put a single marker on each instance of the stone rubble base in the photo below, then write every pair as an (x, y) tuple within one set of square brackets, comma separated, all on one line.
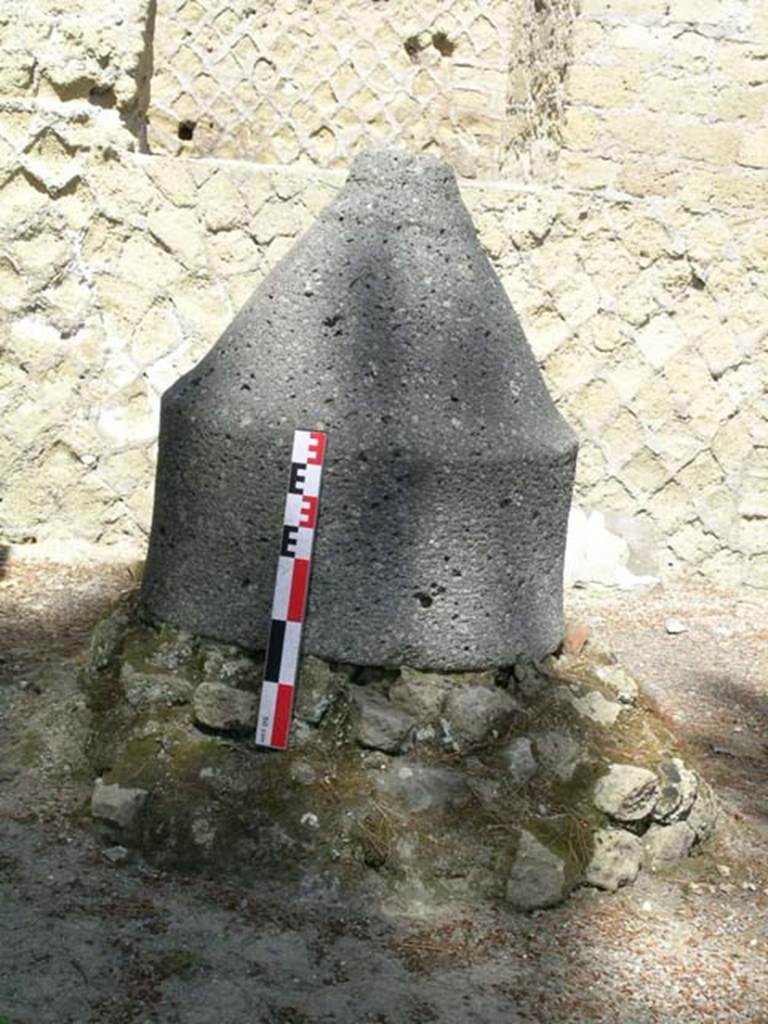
[(516, 784)]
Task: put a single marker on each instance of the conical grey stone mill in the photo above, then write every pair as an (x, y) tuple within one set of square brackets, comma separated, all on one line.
[(448, 474)]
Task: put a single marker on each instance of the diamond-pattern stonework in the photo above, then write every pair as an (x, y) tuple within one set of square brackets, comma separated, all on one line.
[(294, 82), (620, 162)]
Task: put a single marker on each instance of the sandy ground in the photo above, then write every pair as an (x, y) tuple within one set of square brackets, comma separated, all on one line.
[(84, 940)]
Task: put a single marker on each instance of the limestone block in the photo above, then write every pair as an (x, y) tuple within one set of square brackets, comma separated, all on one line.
[(621, 681), (143, 259), (580, 128), (756, 573), (130, 416), (616, 859), (232, 252), (174, 181), (157, 333), (660, 340), (717, 144), (602, 86), (752, 533), (626, 792), (594, 706), (180, 233), (202, 307), (644, 473), (223, 206)]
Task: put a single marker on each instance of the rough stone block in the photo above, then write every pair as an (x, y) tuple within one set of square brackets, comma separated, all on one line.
[(472, 713), (448, 474), (425, 789), (377, 724), (118, 805), (537, 878), (664, 845), (679, 786), (616, 859), (222, 707), (519, 760), (559, 753), (627, 793)]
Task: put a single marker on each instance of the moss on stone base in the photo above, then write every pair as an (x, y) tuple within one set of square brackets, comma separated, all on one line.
[(387, 772)]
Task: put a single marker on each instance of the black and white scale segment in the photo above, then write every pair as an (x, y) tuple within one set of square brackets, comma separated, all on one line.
[(449, 471)]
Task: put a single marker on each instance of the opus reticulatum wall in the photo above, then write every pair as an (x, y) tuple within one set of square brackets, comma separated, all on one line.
[(156, 160)]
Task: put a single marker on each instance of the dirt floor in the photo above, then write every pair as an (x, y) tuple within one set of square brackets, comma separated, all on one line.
[(86, 940)]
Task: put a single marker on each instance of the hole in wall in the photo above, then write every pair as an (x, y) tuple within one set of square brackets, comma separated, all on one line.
[(186, 130), (102, 97), (413, 47), (444, 46)]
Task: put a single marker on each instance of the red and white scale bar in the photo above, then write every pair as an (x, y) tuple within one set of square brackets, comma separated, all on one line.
[(291, 586)]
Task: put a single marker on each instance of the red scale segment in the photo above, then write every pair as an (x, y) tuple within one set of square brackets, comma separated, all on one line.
[(299, 585)]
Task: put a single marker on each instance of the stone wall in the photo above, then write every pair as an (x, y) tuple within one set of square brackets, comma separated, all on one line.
[(615, 161)]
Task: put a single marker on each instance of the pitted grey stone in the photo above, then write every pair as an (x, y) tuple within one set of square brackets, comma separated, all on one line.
[(448, 473), (377, 723)]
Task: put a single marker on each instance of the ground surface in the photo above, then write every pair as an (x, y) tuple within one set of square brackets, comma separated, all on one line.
[(85, 940)]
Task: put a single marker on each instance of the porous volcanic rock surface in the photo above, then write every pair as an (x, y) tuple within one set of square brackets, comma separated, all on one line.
[(448, 472)]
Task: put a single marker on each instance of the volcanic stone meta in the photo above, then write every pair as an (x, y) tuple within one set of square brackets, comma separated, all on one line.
[(448, 473)]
